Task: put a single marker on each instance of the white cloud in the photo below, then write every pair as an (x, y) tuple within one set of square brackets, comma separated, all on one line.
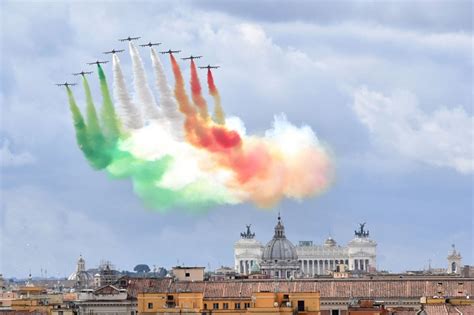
[(11, 159), (398, 125)]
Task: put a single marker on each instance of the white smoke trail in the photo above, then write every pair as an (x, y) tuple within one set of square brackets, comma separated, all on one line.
[(145, 97), (167, 101), (129, 113)]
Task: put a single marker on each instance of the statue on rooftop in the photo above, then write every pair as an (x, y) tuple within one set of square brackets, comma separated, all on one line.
[(361, 232), (248, 234)]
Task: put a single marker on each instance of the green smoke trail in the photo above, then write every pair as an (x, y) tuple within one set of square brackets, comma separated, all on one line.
[(110, 120), (146, 176), (79, 124), (100, 150)]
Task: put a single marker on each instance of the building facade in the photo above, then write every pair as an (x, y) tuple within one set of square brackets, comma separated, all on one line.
[(206, 303), (279, 257), (359, 255), (247, 253)]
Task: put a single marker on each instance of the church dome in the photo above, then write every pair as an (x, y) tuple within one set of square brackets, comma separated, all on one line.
[(279, 248), (330, 242), (80, 276)]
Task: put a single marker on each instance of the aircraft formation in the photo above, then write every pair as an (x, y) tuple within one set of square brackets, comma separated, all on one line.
[(129, 39)]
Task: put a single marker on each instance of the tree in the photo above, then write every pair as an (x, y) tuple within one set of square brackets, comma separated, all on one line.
[(141, 268)]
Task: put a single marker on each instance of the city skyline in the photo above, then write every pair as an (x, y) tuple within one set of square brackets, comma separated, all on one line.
[(389, 93)]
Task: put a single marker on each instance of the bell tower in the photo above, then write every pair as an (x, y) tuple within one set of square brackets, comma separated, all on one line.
[(454, 261)]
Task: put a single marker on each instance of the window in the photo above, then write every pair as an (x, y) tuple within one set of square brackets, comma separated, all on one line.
[(225, 306), (288, 274), (334, 312), (300, 306), (246, 305), (60, 313), (237, 306), (187, 274), (205, 306), (150, 305), (215, 306), (286, 297), (170, 298), (277, 274)]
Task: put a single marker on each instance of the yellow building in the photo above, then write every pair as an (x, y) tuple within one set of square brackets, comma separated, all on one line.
[(36, 299), (232, 303), (188, 273)]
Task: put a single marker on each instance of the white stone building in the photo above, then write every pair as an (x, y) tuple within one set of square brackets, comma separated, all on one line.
[(454, 261), (247, 253), (358, 255)]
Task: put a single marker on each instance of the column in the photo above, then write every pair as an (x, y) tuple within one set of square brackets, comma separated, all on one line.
[(367, 264)]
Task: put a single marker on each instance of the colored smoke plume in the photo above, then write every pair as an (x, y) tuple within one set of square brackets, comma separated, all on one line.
[(179, 157)]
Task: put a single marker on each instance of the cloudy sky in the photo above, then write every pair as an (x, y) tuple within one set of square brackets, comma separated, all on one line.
[(386, 85)]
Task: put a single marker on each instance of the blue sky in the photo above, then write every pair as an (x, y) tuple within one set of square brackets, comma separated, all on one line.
[(387, 85)]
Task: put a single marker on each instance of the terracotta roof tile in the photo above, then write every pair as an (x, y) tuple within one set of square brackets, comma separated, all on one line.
[(377, 288)]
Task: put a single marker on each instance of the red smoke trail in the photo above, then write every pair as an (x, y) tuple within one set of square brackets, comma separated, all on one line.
[(195, 132), (219, 115), (201, 132), (247, 162), (196, 92)]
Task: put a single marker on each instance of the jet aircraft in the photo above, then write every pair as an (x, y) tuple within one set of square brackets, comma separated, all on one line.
[(170, 51), (129, 39), (191, 57), (208, 67), (66, 84), (82, 73), (113, 51), (96, 62), (150, 44)]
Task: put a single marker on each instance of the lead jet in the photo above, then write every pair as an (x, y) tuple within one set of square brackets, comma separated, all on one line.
[(191, 57), (170, 51), (66, 84), (150, 44), (82, 73), (129, 39), (113, 51), (209, 67), (96, 62)]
